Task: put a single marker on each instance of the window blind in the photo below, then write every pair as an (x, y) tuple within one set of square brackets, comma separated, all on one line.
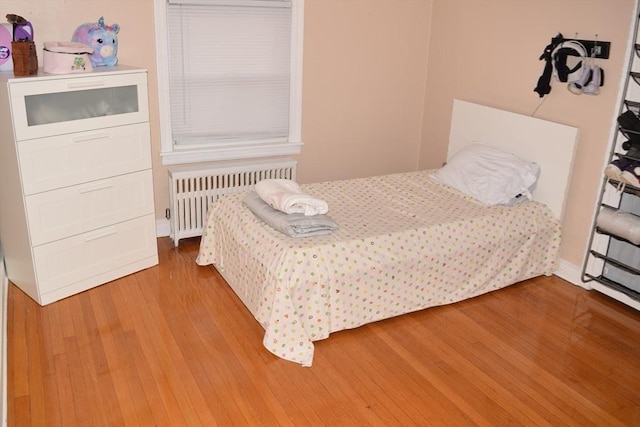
[(229, 70)]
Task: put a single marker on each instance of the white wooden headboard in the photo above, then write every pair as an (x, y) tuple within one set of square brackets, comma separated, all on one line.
[(551, 145)]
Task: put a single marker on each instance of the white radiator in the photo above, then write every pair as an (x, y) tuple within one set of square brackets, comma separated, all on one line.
[(193, 187)]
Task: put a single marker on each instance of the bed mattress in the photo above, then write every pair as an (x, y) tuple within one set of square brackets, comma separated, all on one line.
[(405, 243)]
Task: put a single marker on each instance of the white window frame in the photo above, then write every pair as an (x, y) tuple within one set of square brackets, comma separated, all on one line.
[(174, 154)]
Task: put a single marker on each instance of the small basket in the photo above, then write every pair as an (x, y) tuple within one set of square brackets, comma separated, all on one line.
[(66, 57), (25, 59)]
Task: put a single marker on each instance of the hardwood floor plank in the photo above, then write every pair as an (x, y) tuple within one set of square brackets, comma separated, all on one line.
[(143, 391), (504, 368), (390, 379), (236, 373), (429, 373), (539, 368), (578, 352), (65, 409), (124, 379), (467, 380), (87, 408), (207, 339), (17, 341), (456, 351), (523, 391), (352, 393), (39, 366), (440, 409), (170, 371), (422, 400), (53, 331), (173, 345), (19, 412), (160, 410)]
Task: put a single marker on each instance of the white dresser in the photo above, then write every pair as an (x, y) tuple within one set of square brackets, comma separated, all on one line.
[(76, 189)]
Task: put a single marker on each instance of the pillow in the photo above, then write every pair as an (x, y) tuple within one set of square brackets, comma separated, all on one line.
[(489, 174)]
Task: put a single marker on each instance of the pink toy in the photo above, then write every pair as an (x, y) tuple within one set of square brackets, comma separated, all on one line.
[(102, 38)]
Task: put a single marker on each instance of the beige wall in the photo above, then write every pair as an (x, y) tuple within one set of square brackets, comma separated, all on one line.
[(380, 77), (487, 52), (364, 78)]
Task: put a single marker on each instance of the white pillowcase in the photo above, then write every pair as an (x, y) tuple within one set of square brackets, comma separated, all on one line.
[(489, 174)]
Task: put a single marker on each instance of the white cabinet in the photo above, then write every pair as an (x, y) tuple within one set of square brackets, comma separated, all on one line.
[(76, 189)]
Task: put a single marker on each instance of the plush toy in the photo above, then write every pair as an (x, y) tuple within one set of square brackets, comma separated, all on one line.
[(102, 38)]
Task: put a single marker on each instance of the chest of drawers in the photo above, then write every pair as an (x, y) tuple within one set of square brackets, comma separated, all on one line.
[(76, 186)]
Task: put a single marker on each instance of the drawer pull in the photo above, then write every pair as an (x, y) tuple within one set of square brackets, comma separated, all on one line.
[(78, 85), (99, 234), (95, 187), (93, 137)]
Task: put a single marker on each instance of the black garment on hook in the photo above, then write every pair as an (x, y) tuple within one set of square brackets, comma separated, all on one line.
[(544, 82)]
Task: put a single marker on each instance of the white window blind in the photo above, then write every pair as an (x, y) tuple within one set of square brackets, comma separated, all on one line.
[(229, 70)]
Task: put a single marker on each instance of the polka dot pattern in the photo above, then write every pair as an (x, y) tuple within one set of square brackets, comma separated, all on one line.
[(405, 243)]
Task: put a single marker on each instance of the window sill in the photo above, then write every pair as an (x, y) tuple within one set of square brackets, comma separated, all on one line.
[(230, 152)]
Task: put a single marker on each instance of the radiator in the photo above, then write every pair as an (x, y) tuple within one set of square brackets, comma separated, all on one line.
[(193, 187)]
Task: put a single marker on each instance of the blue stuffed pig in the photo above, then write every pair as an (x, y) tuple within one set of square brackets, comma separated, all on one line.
[(102, 38)]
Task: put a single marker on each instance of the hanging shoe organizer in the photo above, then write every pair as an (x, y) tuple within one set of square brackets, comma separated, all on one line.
[(612, 262)]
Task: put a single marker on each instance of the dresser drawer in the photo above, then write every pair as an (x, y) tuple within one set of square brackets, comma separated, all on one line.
[(61, 104), (78, 258), (72, 210), (60, 161)]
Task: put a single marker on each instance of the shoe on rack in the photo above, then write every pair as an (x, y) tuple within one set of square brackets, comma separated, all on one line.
[(615, 168), (632, 148), (629, 121), (631, 174)]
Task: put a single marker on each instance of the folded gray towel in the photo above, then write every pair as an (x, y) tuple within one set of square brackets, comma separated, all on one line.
[(293, 225)]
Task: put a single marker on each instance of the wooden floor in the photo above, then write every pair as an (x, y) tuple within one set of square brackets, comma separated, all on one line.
[(173, 346)]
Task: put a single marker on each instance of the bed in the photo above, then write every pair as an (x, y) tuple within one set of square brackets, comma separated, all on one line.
[(405, 241)]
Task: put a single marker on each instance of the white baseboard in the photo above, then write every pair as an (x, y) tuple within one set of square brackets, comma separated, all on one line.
[(571, 273), (163, 228)]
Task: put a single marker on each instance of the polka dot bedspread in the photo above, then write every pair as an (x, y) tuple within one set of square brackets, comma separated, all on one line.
[(405, 243)]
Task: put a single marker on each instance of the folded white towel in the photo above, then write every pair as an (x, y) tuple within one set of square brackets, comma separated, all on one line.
[(286, 196)]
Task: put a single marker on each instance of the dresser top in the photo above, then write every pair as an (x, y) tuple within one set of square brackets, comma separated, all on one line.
[(6, 76)]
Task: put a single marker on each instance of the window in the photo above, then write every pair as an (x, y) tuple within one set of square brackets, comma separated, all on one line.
[(229, 78)]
